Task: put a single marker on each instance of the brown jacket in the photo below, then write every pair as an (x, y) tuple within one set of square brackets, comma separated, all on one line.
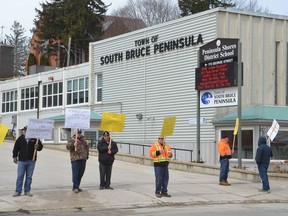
[(82, 151)]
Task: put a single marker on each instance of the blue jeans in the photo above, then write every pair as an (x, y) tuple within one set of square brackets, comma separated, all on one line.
[(264, 177), (24, 168), (78, 169), (224, 169), (162, 178)]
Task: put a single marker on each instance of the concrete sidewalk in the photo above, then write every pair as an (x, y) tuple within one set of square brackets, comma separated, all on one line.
[(133, 186)]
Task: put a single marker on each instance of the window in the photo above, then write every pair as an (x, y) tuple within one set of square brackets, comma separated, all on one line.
[(65, 134), (29, 98), (52, 95), (93, 137), (77, 91), (277, 54), (279, 146), (98, 88), (9, 101)]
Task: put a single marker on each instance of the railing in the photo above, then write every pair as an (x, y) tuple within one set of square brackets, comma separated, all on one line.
[(147, 146)]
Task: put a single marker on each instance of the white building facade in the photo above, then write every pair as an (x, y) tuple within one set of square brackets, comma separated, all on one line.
[(149, 74)]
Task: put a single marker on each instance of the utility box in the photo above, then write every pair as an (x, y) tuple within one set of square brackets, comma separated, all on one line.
[(14, 120)]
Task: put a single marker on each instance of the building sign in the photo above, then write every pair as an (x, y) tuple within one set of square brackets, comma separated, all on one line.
[(216, 76), (218, 64), (150, 46), (219, 49), (219, 97)]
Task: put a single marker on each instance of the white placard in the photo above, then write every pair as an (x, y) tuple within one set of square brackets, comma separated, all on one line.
[(219, 97), (39, 128), (272, 132), (77, 118)]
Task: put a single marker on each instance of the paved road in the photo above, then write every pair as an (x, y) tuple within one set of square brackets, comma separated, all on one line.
[(134, 189)]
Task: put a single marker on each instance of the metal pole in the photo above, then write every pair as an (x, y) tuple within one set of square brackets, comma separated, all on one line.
[(58, 55), (68, 55), (38, 108), (239, 110), (198, 116)]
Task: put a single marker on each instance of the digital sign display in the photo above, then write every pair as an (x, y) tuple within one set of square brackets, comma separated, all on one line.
[(216, 76)]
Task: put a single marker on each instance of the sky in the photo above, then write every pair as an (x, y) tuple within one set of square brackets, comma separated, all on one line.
[(23, 11)]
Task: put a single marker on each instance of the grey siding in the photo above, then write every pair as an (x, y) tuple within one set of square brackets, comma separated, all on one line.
[(159, 85)]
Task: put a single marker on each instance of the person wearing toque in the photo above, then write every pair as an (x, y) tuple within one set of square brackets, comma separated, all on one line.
[(23, 152), (79, 154), (107, 149)]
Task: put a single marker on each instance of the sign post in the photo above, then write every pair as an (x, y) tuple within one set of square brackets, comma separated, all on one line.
[(219, 67), (239, 110)]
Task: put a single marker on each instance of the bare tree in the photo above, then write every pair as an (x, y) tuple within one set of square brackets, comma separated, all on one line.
[(150, 11), (251, 5)]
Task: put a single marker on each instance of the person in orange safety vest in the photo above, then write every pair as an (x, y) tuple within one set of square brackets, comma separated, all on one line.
[(225, 153), (161, 153)]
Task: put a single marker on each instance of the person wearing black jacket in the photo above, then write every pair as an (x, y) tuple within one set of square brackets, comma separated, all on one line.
[(106, 158), (263, 154), (23, 156)]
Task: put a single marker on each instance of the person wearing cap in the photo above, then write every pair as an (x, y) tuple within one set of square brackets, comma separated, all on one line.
[(23, 152), (106, 151), (161, 153), (79, 154), (225, 153), (262, 158)]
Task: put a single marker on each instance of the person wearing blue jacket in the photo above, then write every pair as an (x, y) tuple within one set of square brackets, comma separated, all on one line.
[(263, 154)]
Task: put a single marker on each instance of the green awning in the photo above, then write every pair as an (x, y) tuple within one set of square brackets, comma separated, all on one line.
[(93, 117), (280, 113)]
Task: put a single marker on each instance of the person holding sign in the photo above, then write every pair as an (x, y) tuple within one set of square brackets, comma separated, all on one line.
[(107, 148), (262, 158), (79, 153), (161, 154), (225, 153), (22, 156)]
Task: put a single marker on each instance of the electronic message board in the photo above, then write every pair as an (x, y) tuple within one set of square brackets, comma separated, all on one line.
[(217, 64), (216, 76)]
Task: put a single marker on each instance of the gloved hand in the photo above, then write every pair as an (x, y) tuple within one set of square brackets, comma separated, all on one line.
[(36, 146), (15, 160), (158, 153)]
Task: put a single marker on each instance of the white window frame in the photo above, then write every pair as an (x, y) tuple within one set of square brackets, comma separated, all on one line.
[(46, 95), (98, 87), (11, 101), (27, 101), (75, 91)]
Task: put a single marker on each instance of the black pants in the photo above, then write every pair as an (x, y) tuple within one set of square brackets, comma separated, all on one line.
[(105, 174)]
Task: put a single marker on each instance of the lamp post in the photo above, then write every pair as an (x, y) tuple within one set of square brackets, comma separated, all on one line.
[(38, 107), (59, 54)]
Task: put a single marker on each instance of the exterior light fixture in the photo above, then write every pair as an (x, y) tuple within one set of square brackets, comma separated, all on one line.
[(139, 116)]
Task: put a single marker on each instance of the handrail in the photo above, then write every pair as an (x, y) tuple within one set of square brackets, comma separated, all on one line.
[(148, 146)]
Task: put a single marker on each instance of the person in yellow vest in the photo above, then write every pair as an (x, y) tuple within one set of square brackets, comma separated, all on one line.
[(161, 153), (225, 153)]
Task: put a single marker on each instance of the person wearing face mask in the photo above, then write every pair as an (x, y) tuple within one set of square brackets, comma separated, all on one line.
[(161, 153), (23, 152), (79, 154), (107, 149)]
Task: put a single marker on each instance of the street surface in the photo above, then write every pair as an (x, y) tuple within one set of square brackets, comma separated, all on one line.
[(133, 193)]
